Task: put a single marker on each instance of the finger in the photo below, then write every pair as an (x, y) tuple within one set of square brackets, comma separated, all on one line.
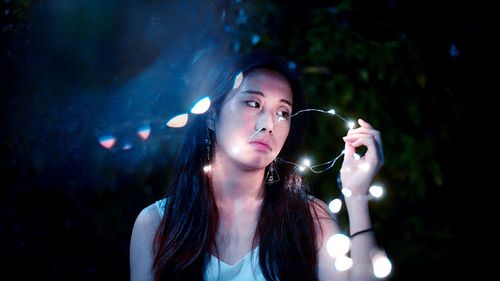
[(369, 143), (364, 140), (376, 133), (349, 150), (358, 135), (353, 138), (373, 149), (363, 130), (365, 124)]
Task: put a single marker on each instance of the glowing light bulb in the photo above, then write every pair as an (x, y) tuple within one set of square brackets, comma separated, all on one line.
[(207, 168), (201, 106), (144, 132), (235, 150), (347, 192), (343, 263), (306, 162), (364, 166), (345, 170), (107, 141), (382, 266), (178, 121), (255, 39), (335, 205), (238, 80), (338, 245), (127, 146), (376, 191)]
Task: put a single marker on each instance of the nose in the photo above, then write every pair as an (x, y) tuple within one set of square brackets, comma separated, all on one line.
[(266, 121)]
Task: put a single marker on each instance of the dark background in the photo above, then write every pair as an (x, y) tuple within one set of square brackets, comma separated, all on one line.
[(74, 71)]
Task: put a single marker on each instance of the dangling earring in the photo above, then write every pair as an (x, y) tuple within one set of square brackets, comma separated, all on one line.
[(208, 145), (272, 175)]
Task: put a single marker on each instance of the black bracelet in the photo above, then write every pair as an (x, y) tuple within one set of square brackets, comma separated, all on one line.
[(361, 231)]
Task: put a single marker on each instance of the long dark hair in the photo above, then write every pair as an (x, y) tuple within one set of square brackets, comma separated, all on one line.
[(285, 231)]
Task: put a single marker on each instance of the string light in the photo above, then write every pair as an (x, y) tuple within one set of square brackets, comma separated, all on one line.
[(306, 164), (127, 146), (238, 80), (178, 121), (107, 141), (365, 166), (343, 263), (382, 266), (338, 245), (144, 132), (235, 150), (314, 168), (346, 192), (376, 191), (201, 106), (335, 205), (256, 132), (207, 168), (350, 124), (330, 112)]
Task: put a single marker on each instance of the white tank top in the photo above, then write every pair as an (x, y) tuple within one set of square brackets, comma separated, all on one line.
[(247, 269)]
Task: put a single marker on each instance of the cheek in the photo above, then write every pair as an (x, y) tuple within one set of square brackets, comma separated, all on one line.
[(283, 132), (234, 124), (241, 118), (285, 127)]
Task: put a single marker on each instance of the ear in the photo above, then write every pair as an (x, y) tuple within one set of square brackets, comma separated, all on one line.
[(211, 120)]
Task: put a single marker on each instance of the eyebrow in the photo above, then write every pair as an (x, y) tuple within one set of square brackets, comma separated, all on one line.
[(252, 92)]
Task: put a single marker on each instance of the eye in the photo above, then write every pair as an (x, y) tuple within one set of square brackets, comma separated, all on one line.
[(283, 114), (253, 104)]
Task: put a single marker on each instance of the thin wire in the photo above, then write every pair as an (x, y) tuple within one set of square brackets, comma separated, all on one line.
[(256, 132), (330, 163), (316, 110)]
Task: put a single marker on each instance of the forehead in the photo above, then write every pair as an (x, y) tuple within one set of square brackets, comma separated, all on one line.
[(269, 82)]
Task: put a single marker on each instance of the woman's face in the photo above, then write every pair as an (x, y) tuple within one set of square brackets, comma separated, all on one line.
[(261, 99)]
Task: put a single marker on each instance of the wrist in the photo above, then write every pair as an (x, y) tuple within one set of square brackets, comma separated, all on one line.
[(357, 200), (356, 233), (358, 197)]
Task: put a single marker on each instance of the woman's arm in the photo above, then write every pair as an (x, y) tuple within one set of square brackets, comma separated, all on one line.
[(141, 244), (356, 176), (361, 248)]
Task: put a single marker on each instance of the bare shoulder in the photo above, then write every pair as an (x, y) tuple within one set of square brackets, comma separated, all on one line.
[(326, 226), (141, 243), (320, 210), (146, 224), (149, 216), (324, 219)]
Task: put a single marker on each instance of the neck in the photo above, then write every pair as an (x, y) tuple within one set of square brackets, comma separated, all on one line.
[(232, 183)]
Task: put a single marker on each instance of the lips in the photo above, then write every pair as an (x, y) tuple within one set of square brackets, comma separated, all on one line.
[(261, 145)]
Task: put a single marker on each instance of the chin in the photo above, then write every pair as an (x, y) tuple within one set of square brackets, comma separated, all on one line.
[(256, 163)]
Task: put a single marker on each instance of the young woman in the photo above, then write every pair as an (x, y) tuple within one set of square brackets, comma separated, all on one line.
[(232, 211)]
